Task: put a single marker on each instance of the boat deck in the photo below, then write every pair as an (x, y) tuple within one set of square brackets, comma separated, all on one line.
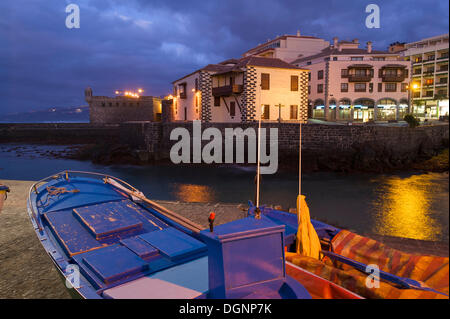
[(115, 241)]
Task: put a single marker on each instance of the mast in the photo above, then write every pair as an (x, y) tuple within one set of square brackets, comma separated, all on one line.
[(299, 169), (258, 163)]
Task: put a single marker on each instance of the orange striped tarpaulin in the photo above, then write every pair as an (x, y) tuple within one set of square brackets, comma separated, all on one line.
[(430, 270)]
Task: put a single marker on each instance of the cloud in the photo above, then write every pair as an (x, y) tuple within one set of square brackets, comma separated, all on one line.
[(149, 43)]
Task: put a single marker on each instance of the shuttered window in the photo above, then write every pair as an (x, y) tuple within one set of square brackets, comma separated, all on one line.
[(294, 112), (232, 109), (294, 83), (265, 81)]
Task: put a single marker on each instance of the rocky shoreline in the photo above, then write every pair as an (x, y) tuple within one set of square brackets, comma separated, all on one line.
[(363, 159)]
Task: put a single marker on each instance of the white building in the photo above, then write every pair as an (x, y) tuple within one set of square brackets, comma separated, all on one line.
[(353, 84), (242, 90), (289, 47), (429, 63)]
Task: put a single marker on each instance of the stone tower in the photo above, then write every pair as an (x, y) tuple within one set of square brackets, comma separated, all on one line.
[(88, 94)]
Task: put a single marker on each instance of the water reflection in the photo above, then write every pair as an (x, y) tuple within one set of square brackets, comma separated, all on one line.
[(404, 207), (193, 193)]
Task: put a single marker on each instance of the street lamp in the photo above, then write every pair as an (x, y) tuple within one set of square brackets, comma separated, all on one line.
[(412, 86)]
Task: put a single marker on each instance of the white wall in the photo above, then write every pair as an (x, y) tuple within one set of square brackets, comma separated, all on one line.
[(193, 112), (280, 92)]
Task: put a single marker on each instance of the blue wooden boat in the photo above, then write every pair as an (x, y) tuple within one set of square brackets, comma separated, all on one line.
[(109, 241)]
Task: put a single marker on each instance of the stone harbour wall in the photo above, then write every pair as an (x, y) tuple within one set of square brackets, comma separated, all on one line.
[(334, 147), (324, 147)]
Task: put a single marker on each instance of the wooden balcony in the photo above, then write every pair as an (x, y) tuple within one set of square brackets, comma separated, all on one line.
[(393, 78), (227, 90), (359, 78)]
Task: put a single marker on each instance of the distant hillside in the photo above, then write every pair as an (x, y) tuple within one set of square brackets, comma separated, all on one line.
[(78, 114)]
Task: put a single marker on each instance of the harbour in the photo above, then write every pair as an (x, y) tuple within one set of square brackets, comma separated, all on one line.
[(269, 152), (35, 276)]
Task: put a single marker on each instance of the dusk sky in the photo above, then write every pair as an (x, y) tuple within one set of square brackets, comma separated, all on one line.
[(136, 43)]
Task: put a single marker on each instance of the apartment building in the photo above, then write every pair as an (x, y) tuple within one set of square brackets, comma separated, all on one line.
[(350, 83), (429, 76), (242, 90), (289, 47)]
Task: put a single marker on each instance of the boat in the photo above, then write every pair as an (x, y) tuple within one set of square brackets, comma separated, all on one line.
[(109, 241), (348, 260), (3, 195)]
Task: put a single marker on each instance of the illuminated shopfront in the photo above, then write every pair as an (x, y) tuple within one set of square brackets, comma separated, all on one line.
[(363, 110), (319, 109), (387, 110)]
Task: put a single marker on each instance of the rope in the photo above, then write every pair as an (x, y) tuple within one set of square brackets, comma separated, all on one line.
[(53, 191)]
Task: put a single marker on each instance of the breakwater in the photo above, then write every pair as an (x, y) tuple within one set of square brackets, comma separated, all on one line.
[(324, 147)]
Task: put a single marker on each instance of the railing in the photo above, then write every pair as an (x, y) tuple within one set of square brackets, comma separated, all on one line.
[(227, 90), (393, 78), (359, 78)]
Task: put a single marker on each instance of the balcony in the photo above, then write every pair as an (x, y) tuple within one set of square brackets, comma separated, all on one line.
[(227, 90), (359, 78), (393, 78), (443, 57)]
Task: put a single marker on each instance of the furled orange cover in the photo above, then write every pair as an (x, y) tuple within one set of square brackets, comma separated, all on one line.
[(431, 270)]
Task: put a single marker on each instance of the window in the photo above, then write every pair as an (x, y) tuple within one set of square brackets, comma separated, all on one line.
[(361, 72), (390, 87), (294, 112), (103, 103), (404, 87), (182, 89), (320, 75), (370, 87), (232, 108), (344, 73), (294, 83), (265, 81), (360, 87), (356, 58), (429, 82), (110, 104), (390, 72), (335, 58), (378, 58), (265, 114), (175, 90), (380, 87), (217, 101), (308, 63), (309, 76), (319, 88), (196, 85), (309, 89), (344, 87)]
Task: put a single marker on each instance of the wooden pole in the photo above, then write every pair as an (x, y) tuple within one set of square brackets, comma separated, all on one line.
[(299, 170)]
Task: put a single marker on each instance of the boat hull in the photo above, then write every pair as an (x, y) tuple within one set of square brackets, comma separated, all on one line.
[(110, 243)]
